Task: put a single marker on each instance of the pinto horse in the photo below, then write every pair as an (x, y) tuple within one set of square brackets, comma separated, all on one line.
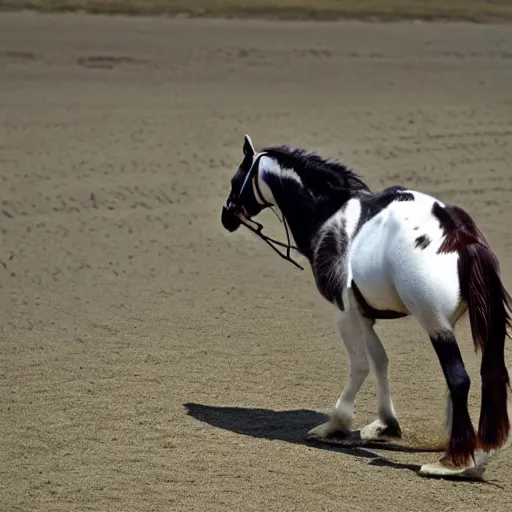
[(387, 255)]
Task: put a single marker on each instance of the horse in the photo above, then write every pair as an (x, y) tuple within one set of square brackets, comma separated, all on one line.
[(381, 256)]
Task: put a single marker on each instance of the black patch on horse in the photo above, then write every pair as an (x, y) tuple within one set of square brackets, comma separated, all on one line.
[(405, 196), (372, 313), (422, 242), (372, 204), (375, 203)]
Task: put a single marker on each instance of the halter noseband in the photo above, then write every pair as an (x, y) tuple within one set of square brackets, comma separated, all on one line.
[(253, 175)]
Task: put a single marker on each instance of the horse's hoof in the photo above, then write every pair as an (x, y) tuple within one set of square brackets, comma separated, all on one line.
[(380, 431), (327, 430), (474, 470)]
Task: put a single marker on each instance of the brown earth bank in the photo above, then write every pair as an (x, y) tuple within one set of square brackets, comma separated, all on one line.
[(469, 10), (151, 361)]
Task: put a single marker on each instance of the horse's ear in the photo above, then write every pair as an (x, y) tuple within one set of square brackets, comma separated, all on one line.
[(248, 146)]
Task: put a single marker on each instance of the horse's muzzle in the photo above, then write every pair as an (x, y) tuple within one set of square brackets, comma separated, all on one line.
[(230, 220)]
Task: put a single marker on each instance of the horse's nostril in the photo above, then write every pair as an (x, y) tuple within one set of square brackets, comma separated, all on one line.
[(230, 220)]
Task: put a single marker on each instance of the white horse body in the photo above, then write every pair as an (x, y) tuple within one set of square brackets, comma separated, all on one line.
[(391, 276)]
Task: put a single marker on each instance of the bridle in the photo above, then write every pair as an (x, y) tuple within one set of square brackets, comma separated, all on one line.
[(258, 229)]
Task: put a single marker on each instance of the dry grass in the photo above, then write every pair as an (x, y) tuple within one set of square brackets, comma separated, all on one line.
[(469, 10)]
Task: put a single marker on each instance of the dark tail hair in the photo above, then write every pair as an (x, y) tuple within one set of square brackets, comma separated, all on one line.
[(489, 306)]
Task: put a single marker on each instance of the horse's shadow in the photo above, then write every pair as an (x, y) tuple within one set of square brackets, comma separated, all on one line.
[(289, 426)]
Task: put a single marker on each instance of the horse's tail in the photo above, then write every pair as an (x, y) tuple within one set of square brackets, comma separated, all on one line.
[(488, 308)]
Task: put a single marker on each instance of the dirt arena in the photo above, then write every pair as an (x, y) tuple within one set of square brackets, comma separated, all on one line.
[(151, 361)]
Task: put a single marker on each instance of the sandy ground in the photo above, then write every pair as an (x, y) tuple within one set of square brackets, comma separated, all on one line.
[(149, 360)]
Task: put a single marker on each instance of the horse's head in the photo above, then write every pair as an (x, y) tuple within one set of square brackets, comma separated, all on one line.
[(245, 199), (306, 188)]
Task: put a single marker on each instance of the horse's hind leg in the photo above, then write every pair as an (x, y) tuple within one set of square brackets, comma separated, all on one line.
[(435, 304), (460, 453), (343, 413)]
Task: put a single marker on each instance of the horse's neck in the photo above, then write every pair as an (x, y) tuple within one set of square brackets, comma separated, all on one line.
[(303, 213)]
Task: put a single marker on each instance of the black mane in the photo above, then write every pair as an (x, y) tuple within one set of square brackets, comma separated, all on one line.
[(323, 177), (326, 186)]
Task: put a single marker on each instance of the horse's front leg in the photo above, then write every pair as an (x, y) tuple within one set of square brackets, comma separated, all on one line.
[(386, 426), (342, 416)]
